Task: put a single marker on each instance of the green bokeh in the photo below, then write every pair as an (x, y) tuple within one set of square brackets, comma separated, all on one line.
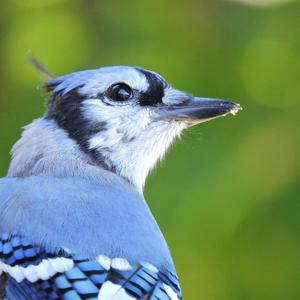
[(227, 195)]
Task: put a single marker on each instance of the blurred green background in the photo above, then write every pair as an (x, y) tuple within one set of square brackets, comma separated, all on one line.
[(227, 194)]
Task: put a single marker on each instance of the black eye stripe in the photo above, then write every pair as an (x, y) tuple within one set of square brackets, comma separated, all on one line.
[(155, 91)]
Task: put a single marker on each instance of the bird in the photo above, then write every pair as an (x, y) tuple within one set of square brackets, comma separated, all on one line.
[(74, 223)]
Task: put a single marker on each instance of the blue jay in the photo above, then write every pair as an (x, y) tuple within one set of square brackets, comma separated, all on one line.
[(73, 220)]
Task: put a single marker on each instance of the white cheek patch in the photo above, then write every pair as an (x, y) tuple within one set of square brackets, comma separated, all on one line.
[(120, 122), (109, 76), (116, 116), (130, 132), (44, 270)]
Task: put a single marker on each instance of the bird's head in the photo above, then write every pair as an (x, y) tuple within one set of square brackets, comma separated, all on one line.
[(125, 118)]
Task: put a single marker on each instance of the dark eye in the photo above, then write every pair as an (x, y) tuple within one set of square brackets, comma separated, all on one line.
[(120, 92)]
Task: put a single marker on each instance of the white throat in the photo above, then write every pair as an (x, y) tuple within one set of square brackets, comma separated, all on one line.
[(134, 157)]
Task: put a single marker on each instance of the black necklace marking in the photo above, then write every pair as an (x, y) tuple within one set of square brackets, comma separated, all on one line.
[(66, 111)]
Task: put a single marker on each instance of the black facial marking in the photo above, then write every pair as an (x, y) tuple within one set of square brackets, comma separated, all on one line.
[(66, 111), (155, 91)]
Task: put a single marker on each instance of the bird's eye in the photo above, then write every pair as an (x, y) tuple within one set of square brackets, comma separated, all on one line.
[(120, 92)]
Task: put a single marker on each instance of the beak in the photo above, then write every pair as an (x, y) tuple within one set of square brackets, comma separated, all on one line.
[(198, 110)]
